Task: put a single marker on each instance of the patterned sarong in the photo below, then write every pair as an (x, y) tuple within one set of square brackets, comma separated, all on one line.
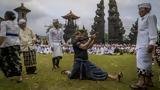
[(10, 61), (29, 58), (144, 62), (85, 70)]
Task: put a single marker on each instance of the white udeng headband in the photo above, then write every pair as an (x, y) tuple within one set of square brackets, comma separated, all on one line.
[(146, 5), (55, 20), (21, 21)]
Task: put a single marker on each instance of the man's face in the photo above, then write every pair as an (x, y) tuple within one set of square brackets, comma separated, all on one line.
[(5, 17), (79, 34), (56, 25), (23, 25), (143, 11)]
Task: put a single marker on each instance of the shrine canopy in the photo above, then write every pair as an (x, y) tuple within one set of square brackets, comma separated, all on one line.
[(71, 15), (22, 8)]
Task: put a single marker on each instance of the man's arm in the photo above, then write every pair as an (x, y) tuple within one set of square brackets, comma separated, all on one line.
[(92, 43), (1, 40), (62, 39), (93, 40), (50, 37), (152, 24), (86, 45), (2, 32), (33, 36)]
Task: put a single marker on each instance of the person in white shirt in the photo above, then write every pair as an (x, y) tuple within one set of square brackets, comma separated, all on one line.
[(55, 41), (10, 47), (146, 40), (102, 50)]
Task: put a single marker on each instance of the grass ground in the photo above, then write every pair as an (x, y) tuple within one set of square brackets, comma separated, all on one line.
[(46, 79)]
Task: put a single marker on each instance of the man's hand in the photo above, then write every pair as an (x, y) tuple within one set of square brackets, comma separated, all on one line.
[(33, 41), (1, 40), (93, 36), (150, 48), (65, 45)]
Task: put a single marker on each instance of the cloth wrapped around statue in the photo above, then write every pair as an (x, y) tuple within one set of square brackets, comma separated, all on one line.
[(82, 68)]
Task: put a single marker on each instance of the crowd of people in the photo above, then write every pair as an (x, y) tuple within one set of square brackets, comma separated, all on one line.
[(16, 39), (43, 49), (112, 49), (107, 49)]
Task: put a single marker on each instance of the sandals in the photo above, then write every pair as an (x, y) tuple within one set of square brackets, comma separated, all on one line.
[(150, 84), (54, 67), (138, 87), (64, 72)]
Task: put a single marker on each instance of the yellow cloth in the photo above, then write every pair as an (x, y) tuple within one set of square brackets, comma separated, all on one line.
[(27, 39)]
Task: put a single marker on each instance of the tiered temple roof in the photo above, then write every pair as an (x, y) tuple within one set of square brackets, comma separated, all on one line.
[(70, 15), (22, 8)]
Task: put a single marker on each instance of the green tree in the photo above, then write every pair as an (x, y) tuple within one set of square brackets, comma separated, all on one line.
[(106, 37)]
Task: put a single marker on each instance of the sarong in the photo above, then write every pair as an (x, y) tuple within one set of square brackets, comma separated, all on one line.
[(10, 61), (85, 70)]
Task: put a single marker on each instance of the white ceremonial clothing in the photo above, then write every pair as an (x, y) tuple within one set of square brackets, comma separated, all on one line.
[(55, 40), (147, 35)]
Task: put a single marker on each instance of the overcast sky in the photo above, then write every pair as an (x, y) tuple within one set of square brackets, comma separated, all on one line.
[(44, 11)]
